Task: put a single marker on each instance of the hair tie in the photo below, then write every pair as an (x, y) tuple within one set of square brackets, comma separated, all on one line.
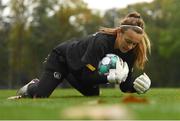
[(135, 28)]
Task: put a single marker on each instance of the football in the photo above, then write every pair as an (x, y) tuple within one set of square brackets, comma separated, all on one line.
[(108, 62)]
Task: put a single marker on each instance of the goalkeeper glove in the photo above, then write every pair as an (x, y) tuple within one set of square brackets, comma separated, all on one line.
[(119, 74), (142, 83)]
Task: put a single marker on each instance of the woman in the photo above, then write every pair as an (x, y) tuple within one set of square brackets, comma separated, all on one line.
[(77, 61)]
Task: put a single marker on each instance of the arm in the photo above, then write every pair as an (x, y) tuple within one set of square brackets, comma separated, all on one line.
[(92, 77), (142, 83), (117, 75), (139, 85), (97, 49), (127, 86)]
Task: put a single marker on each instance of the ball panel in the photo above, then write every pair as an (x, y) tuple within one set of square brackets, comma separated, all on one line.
[(103, 69), (108, 62)]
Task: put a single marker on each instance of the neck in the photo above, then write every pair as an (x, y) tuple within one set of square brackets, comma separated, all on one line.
[(116, 44), (117, 41)]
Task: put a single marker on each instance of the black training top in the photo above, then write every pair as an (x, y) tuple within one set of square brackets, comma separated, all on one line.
[(90, 50)]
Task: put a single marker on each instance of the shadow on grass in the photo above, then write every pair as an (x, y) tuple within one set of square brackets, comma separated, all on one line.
[(81, 96)]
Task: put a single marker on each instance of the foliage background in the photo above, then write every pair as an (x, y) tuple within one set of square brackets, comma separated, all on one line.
[(34, 27)]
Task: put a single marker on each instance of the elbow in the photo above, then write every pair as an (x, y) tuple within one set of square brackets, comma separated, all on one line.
[(123, 88), (126, 88)]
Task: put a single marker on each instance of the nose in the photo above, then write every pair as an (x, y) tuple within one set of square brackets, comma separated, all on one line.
[(130, 46)]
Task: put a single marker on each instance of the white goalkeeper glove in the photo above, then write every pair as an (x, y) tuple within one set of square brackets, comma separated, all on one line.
[(119, 74), (142, 83)]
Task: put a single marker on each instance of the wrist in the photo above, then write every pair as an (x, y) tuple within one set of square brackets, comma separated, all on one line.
[(111, 77)]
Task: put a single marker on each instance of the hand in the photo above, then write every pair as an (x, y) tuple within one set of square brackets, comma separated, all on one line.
[(142, 83), (119, 74)]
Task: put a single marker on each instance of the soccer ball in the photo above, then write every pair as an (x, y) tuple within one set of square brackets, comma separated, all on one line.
[(108, 62)]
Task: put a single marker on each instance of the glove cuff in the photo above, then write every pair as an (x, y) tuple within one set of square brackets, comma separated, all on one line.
[(111, 77)]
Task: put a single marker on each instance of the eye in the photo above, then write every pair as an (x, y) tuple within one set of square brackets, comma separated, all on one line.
[(128, 41), (134, 44)]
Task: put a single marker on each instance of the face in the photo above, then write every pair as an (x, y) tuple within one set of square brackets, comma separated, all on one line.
[(128, 40)]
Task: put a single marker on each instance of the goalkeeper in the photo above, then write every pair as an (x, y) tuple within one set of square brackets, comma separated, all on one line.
[(77, 61)]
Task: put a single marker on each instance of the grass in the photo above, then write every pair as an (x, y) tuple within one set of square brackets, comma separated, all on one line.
[(163, 103)]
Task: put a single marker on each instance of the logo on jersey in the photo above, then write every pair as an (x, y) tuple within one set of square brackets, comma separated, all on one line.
[(57, 75)]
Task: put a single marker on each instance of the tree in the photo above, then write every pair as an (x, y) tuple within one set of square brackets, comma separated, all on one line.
[(17, 40), (162, 28), (4, 30), (37, 27)]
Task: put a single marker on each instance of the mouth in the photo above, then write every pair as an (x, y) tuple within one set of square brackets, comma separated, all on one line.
[(125, 49)]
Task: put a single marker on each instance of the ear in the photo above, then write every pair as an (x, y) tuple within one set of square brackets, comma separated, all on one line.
[(119, 36), (119, 30)]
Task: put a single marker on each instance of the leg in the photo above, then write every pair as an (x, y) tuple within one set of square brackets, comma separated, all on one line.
[(53, 74), (45, 86), (83, 89)]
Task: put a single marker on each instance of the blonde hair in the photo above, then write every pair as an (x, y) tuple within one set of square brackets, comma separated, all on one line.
[(141, 50)]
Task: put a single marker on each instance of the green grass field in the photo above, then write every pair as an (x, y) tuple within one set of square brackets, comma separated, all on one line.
[(163, 103)]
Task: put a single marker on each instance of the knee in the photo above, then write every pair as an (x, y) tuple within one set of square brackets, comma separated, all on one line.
[(90, 95), (34, 92), (90, 92)]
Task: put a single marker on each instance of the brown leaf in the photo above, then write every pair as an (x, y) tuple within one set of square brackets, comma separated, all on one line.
[(134, 99)]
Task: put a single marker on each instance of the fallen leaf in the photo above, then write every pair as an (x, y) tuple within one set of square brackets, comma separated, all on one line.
[(134, 99)]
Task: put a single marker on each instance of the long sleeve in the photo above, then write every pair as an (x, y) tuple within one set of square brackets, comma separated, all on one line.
[(129, 57), (89, 77), (127, 86)]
